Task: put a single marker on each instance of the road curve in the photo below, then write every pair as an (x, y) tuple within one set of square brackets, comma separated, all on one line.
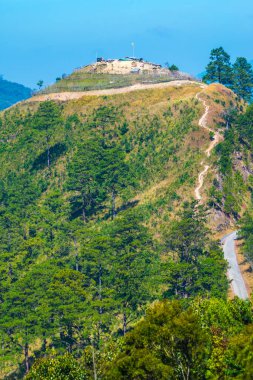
[(234, 272)]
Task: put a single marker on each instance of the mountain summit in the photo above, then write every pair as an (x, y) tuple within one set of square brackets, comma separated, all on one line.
[(116, 73)]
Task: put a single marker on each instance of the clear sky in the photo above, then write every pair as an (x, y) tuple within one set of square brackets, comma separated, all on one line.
[(41, 39)]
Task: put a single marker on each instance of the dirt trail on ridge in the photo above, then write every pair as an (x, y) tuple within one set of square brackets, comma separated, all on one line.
[(65, 96), (203, 122)]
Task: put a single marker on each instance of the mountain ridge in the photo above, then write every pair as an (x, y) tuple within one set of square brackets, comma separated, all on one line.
[(11, 93)]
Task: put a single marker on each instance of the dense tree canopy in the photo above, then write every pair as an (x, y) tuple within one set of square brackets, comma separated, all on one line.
[(238, 77), (95, 228), (194, 343), (243, 78), (199, 266)]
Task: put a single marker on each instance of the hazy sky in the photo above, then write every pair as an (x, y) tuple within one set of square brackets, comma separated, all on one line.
[(41, 39)]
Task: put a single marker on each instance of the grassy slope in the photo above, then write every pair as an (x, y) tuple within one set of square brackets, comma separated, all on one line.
[(84, 81), (171, 157)]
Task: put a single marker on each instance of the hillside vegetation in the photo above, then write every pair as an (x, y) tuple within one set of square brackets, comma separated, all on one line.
[(83, 81), (99, 222), (114, 74)]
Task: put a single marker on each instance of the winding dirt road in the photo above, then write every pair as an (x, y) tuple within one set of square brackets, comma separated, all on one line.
[(201, 182), (203, 122), (228, 241)]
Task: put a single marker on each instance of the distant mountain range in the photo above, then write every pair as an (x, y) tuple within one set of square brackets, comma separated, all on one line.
[(11, 93)]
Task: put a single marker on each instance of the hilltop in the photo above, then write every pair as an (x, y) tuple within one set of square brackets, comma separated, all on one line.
[(129, 66), (115, 73), (11, 93)]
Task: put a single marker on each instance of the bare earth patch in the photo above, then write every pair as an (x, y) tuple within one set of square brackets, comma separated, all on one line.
[(65, 96)]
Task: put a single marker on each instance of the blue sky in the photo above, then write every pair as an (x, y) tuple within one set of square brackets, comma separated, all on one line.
[(41, 39)]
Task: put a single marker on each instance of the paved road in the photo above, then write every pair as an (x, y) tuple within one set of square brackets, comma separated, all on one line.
[(234, 272)]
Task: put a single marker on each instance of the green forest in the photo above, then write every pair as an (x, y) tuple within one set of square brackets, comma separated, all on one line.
[(237, 76), (107, 273)]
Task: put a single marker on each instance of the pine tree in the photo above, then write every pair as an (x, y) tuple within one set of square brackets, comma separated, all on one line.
[(133, 263), (198, 266), (25, 319), (46, 119), (219, 68), (115, 173), (85, 178), (243, 78)]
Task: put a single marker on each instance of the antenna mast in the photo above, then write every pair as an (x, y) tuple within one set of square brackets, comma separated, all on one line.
[(133, 46)]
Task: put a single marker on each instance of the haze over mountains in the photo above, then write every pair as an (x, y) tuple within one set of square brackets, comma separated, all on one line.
[(11, 93)]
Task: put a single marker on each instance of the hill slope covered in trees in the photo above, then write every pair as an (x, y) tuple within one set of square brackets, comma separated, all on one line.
[(99, 224)]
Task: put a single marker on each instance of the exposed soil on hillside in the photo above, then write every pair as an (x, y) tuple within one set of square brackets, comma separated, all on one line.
[(217, 137), (65, 96)]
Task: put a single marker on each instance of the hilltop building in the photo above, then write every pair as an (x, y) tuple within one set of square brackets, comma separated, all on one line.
[(127, 65)]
